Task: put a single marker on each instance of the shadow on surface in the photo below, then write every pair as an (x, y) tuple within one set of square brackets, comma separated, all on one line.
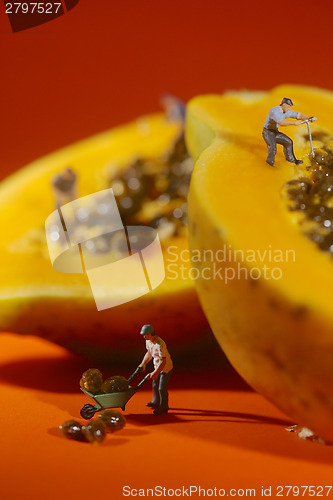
[(62, 374), (47, 374), (173, 417), (247, 431), (108, 441)]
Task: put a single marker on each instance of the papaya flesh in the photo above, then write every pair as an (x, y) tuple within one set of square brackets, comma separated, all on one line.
[(263, 277), (36, 299)]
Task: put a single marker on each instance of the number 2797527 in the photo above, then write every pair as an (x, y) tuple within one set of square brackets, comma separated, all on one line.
[(32, 7)]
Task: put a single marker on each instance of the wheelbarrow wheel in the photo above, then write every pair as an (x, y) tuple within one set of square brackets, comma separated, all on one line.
[(88, 411)]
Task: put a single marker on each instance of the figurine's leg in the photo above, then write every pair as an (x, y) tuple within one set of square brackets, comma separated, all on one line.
[(270, 139), (164, 395), (287, 144), (155, 402)]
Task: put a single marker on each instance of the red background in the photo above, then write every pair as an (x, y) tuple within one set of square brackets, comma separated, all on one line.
[(102, 64)]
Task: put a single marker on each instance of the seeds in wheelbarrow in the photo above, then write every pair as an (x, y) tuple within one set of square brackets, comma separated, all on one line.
[(95, 431), (115, 384), (92, 380), (72, 429), (113, 419)]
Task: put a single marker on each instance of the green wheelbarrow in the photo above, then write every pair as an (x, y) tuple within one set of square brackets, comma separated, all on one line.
[(111, 400)]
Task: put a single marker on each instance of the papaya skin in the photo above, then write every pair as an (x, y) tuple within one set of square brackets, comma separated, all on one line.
[(36, 299), (277, 333)]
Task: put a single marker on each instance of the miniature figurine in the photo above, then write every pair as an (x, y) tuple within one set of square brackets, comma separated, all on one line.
[(277, 116), (64, 187), (157, 350)]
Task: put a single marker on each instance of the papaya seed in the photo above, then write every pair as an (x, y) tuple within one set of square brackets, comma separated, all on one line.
[(314, 198)]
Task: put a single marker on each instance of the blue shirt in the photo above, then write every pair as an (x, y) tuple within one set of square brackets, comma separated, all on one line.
[(276, 115)]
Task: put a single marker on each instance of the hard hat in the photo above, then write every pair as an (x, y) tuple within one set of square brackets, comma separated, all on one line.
[(147, 330), (286, 100)]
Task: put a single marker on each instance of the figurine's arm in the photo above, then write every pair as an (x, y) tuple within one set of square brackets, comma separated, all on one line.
[(302, 117), (285, 123), (147, 357), (158, 369)]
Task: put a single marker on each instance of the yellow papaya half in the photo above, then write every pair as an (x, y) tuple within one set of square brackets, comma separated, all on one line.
[(261, 243), (36, 299)]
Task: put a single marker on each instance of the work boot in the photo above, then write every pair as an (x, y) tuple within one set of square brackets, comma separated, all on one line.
[(297, 162), (161, 411)]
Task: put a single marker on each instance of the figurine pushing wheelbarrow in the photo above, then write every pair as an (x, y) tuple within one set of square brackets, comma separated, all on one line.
[(158, 353)]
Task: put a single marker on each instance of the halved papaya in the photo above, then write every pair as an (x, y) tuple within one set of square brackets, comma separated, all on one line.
[(36, 299), (256, 235)]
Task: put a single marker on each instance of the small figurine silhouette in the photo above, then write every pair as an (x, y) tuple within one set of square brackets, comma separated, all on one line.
[(277, 117), (157, 351), (64, 187), (174, 107)]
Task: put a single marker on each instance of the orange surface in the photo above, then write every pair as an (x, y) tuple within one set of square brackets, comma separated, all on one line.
[(218, 433)]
